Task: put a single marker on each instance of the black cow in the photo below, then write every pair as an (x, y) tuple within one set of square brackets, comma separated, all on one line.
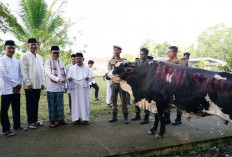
[(192, 90)]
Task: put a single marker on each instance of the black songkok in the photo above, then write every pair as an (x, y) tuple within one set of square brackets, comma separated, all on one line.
[(31, 40), (73, 55), (55, 48), (79, 55), (9, 42)]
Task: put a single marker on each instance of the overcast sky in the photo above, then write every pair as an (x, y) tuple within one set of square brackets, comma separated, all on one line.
[(128, 23)]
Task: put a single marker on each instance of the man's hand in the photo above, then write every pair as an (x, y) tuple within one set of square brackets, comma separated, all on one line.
[(70, 79), (29, 87), (65, 90), (86, 78), (17, 88), (62, 80), (42, 87)]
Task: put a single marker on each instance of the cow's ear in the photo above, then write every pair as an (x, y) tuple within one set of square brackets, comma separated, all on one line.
[(129, 70)]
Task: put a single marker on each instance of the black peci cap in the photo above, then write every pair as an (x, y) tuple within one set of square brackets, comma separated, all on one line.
[(79, 55), (31, 40), (55, 48), (9, 42)]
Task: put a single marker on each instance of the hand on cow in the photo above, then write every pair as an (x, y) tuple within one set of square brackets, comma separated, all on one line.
[(69, 79)]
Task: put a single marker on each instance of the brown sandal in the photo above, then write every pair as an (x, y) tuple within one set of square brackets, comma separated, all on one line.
[(32, 126), (53, 125)]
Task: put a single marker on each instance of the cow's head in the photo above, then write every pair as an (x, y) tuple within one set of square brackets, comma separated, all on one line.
[(122, 68)]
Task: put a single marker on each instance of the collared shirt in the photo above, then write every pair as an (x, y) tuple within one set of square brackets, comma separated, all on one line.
[(32, 70), (53, 84), (112, 63), (10, 74), (176, 61), (68, 67), (190, 64), (139, 62), (78, 74)]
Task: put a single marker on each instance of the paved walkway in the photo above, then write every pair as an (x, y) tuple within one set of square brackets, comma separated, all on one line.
[(103, 139)]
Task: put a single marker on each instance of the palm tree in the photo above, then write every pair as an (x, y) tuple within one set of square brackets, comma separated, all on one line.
[(36, 20)]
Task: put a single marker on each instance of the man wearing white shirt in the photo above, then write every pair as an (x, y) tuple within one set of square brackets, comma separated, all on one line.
[(33, 81), (93, 83), (79, 77), (186, 57), (56, 86), (73, 62), (10, 85)]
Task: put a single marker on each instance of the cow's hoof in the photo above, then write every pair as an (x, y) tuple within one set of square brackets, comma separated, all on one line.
[(158, 136)]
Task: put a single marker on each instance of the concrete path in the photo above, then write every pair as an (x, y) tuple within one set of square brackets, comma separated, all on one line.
[(102, 138)]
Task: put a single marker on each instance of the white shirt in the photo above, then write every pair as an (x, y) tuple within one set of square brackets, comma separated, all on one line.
[(67, 70), (68, 67), (92, 81), (32, 70), (53, 84), (10, 74), (190, 64)]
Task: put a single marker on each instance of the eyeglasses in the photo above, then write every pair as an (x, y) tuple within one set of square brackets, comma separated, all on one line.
[(56, 53)]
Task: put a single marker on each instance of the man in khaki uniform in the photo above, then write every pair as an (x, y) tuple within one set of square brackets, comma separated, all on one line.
[(172, 54), (117, 89), (143, 59)]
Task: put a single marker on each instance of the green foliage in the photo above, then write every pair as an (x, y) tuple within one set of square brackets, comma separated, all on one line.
[(201, 64), (17, 56), (199, 150), (65, 56), (228, 67), (150, 45), (130, 57), (215, 42), (1, 47), (36, 20), (155, 49)]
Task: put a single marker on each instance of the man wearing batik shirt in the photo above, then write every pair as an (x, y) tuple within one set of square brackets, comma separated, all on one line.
[(32, 70), (56, 86), (10, 85)]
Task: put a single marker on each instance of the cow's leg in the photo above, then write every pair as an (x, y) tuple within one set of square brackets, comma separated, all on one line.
[(155, 126), (162, 124)]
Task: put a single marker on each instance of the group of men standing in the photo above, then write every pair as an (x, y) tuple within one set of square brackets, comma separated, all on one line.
[(76, 79), (30, 70), (114, 89)]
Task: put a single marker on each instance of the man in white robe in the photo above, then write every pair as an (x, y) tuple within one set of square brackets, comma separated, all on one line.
[(79, 77)]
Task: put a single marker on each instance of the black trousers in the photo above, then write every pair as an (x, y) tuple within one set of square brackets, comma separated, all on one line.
[(69, 100), (95, 86), (32, 104), (6, 100), (128, 98)]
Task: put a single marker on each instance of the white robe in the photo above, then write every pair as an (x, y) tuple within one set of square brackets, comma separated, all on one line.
[(108, 92), (80, 92)]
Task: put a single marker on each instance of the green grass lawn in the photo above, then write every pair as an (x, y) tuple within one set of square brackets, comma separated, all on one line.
[(98, 109)]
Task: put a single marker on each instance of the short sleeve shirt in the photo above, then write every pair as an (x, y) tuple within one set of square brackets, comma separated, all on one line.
[(112, 63)]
